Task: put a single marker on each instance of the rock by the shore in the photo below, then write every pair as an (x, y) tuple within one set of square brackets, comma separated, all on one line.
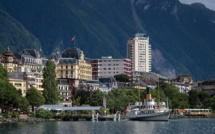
[(30, 119)]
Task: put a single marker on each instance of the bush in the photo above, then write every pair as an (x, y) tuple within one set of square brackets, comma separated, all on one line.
[(80, 115), (73, 112), (6, 115), (61, 115), (101, 112), (15, 115), (45, 114), (31, 114), (66, 117)]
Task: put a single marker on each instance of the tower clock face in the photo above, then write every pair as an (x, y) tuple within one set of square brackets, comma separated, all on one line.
[(10, 59)]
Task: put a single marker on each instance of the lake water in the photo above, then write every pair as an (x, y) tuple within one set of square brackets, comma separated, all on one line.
[(176, 126)]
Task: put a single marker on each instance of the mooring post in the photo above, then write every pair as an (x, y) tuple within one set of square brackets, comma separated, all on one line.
[(114, 117), (93, 117), (97, 117)]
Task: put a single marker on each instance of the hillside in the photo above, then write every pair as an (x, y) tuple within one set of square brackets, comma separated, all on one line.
[(181, 35), (14, 35)]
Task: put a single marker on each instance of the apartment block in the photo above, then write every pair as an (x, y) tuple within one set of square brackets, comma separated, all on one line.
[(139, 51), (108, 67)]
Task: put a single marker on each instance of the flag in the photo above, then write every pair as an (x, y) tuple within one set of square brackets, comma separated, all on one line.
[(104, 102), (73, 38), (127, 108)]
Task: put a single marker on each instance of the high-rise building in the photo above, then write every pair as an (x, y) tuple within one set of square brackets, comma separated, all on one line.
[(108, 67), (139, 51)]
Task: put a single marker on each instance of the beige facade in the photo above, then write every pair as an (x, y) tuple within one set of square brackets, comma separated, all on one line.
[(19, 84), (139, 51), (74, 68), (85, 69), (39, 81)]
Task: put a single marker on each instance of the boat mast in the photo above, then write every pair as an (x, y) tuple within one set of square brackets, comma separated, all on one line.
[(139, 92), (158, 95)]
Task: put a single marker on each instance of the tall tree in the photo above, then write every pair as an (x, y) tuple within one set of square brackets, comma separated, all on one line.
[(3, 73), (193, 98), (34, 97), (8, 95), (212, 103), (50, 92), (204, 97)]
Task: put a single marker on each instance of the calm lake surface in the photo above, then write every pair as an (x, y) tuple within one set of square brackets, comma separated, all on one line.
[(179, 126)]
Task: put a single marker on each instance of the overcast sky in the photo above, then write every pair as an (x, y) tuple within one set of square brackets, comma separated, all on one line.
[(208, 3)]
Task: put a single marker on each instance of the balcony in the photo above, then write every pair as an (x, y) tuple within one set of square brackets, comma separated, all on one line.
[(128, 66), (128, 62)]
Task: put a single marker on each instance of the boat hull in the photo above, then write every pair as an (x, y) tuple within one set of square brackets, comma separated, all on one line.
[(150, 117)]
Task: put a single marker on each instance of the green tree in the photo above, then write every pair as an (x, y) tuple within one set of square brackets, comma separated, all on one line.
[(122, 78), (34, 97), (203, 97), (76, 101), (193, 98), (96, 99), (8, 95), (84, 95), (23, 104), (175, 99), (3, 73), (212, 103), (50, 92)]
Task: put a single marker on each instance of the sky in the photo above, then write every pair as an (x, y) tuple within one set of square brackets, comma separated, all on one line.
[(208, 3)]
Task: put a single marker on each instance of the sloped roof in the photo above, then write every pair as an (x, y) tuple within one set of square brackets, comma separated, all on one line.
[(141, 83), (72, 53), (149, 82), (68, 61)]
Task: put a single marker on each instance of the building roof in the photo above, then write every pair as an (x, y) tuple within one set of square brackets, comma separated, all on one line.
[(61, 107), (18, 56), (68, 61), (72, 53), (16, 75), (32, 52), (8, 53), (149, 82), (141, 83), (87, 60), (56, 54)]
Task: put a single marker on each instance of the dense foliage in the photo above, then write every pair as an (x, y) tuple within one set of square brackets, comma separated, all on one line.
[(45, 114), (50, 91), (122, 78), (34, 97), (10, 97)]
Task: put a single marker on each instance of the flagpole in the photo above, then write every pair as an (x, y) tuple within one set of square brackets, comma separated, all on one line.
[(74, 42)]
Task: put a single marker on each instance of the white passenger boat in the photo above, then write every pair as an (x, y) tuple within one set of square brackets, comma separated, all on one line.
[(149, 111)]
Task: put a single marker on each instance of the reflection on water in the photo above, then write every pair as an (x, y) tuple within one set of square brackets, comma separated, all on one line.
[(193, 126)]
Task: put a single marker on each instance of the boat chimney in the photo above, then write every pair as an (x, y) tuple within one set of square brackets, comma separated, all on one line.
[(148, 96)]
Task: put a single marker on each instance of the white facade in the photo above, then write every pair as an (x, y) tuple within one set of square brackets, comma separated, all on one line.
[(139, 51), (182, 87), (108, 67)]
